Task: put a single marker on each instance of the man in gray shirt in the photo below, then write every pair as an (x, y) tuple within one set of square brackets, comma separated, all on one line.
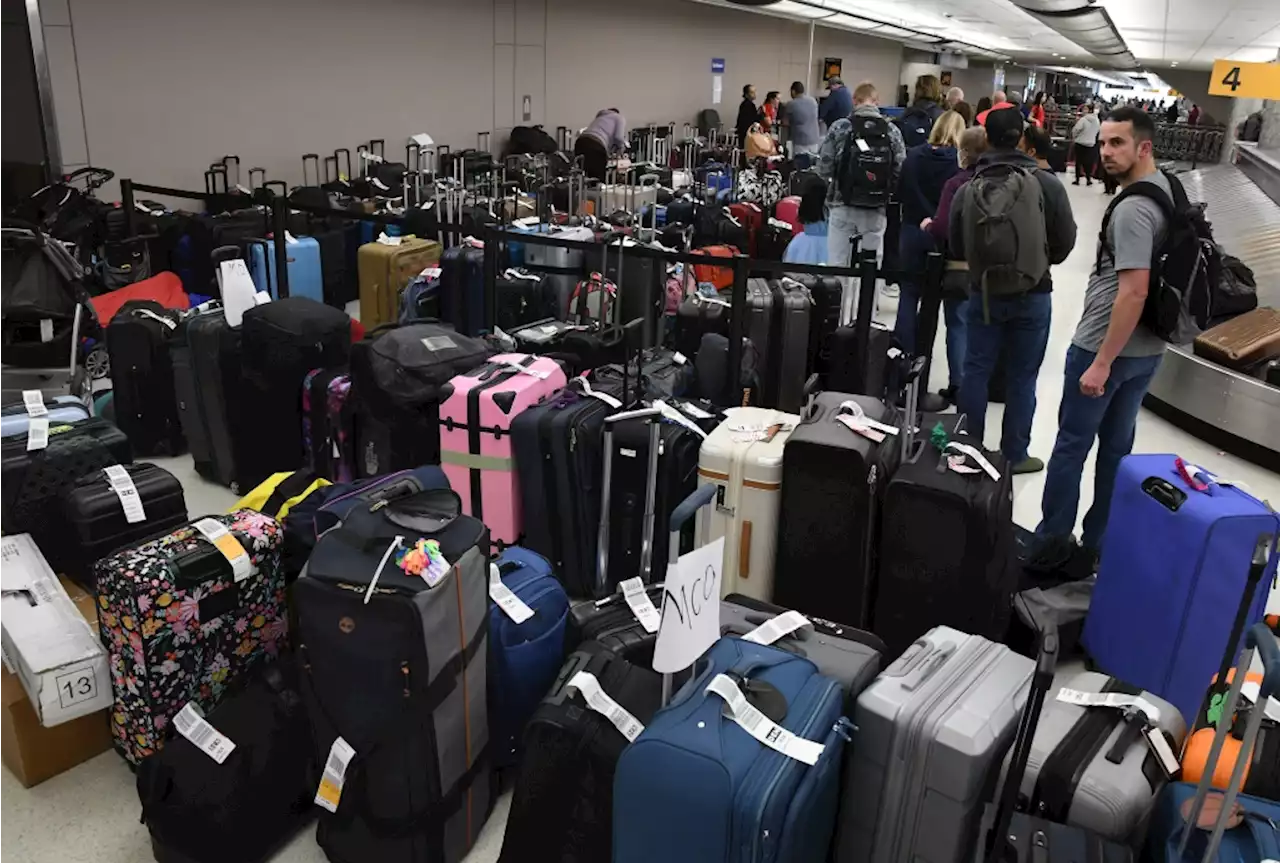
[(802, 118), (1112, 357)]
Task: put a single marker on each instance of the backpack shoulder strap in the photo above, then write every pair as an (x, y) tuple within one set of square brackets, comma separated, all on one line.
[(1151, 192)]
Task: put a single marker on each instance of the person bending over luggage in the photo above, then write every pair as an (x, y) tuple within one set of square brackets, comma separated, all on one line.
[(810, 245), (1112, 357), (605, 137), (1010, 306)]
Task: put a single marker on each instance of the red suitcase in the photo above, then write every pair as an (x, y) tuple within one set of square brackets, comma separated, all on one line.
[(752, 218), (788, 211)]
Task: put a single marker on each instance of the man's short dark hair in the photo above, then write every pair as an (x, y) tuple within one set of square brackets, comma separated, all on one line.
[(1144, 128), (1038, 139), (746, 88), (797, 87)]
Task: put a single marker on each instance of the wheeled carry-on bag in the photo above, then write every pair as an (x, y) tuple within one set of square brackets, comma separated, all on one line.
[(932, 729), (384, 269), (206, 378), (393, 613), (462, 298), (743, 459), (185, 617), (306, 273), (1177, 565), (146, 407)]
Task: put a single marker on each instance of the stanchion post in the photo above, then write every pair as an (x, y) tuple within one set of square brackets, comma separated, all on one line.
[(930, 308), (737, 330), (130, 210), (279, 227), (867, 266), (491, 238)]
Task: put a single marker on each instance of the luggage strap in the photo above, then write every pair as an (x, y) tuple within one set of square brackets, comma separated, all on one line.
[(288, 488)]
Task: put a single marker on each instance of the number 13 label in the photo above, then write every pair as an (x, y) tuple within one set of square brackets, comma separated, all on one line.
[(76, 685)]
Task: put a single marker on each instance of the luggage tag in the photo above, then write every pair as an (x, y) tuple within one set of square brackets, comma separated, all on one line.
[(290, 239), (604, 397), (388, 241), (761, 727), (641, 606), (974, 453), (222, 539), (677, 416), (335, 775), (147, 313), (1109, 699), (773, 629), (424, 559), (46, 330), (512, 606), (524, 370), (33, 401), (438, 343), (857, 421), (1160, 748), (431, 273), (130, 501), (513, 273), (599, 701), (679, 358), (191, 724), (37, 433)]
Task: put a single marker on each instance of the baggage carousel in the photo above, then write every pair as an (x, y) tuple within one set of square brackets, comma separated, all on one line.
[(1230, 409)]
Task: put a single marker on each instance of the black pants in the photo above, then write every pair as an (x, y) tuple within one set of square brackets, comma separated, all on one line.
[(1085, 159), (595, 158)]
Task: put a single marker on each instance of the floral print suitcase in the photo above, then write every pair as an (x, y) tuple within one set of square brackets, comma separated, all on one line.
[(178, 627)]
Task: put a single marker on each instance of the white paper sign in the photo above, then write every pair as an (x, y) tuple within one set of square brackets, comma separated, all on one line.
[(690, 609), (237, 290)]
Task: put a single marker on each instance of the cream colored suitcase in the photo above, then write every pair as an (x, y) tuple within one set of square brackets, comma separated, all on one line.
[(743, 457)]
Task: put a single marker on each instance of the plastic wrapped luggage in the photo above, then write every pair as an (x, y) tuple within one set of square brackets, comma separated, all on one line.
[(185, 617), (384, 269), (1242, 342), (146, 407)]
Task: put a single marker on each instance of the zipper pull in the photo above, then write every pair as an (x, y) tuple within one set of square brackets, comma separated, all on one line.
[(844, 728), (1135, 722)]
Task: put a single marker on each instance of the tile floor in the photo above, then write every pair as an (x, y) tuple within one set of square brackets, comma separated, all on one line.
[(91, 813)]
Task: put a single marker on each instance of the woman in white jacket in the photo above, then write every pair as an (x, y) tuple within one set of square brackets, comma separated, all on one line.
[(1085, 136)]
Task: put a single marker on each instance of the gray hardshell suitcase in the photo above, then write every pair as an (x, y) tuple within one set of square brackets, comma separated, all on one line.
[(1091, 766), (205, 351), (932, 730), (791, 353)]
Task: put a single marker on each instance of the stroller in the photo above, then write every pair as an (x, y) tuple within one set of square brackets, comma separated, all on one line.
[(48, 328)]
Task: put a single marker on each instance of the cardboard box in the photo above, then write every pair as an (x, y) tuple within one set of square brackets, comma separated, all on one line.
[(47, 642), (34, 753)]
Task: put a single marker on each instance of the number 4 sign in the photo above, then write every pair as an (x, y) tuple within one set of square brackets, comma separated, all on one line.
[(1246, 80)]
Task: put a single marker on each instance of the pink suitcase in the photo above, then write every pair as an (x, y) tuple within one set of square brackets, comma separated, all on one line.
[(788, 210), (475, 436)]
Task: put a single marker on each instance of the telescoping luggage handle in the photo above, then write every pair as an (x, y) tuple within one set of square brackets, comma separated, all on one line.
[(699, 501), (1258, 640), (654, 416)]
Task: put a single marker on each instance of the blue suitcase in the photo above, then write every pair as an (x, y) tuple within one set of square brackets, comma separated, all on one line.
[(1176, 565), (695, 787), (306, 275), (462, 290), (62, 409)]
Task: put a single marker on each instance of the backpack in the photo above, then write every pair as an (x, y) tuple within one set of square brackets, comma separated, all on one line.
[(915, 124), (866, 172), (1005, 239), (529, 139), (1186, 266)]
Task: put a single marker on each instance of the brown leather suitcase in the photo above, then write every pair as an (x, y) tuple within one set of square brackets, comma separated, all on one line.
[(1241, 342), (384, 270)]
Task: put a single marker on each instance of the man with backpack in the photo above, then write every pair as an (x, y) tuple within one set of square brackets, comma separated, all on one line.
[(860, 158), (1114, 354), (1013, 221), (917, 121)]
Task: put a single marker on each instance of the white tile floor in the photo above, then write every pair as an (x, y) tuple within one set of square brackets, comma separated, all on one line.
[(91, 813)]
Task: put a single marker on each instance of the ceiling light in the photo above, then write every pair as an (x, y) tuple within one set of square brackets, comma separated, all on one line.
[(1174, 63), (800, 10)]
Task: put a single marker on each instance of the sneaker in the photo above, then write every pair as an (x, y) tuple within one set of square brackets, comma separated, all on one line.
[(1075, 182), (1030, 464), (888, 290)]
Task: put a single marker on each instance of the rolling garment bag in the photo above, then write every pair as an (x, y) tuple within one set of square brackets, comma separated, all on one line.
[(146, 409), (832, 484), (185, 617), (395, 686), (246, 807), (562, 805), (719, 792), (384, 269), (743, 459), (206, 369), (105, 515), (306, 273), (1248, 340), (328, 431), (1177, 566), (476, 449), (932, 730), (62, 409), (462, 300), (1009, 835)]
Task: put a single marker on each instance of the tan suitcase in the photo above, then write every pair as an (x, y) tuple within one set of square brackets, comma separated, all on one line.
[(1241, 342), (385, 270)]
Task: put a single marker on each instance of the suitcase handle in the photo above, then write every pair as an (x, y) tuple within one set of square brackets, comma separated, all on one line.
[(1164, 493)]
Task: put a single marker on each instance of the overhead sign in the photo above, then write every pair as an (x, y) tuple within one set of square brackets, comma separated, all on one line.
[(717, 65), (1246, 80)]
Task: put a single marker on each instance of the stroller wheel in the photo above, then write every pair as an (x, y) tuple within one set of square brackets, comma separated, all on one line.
[(98, 363)]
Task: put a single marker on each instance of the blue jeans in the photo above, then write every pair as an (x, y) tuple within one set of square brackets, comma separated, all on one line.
[(904, 327), (1111, 419), (1021, 326)]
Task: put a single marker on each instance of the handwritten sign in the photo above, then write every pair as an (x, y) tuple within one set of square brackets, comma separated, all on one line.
[(690, 609)]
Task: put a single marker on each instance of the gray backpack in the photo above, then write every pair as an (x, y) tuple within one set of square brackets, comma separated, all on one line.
[(1005, 239)]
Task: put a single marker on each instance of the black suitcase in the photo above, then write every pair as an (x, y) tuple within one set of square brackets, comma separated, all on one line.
[(521, 298), (98, 521), (849, 370), (712, 369), (146, 408), (205, 353), (697, 316), (772, 241), (825, 293), (340, 279), (610, 623), (281, 342), (462, 302), (562, 805), (33, 485), (250, 805), (785, 368)]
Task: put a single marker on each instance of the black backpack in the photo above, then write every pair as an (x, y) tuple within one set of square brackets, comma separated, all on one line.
[(915, 125), (529, 139), (1186, 266), (866, 170)]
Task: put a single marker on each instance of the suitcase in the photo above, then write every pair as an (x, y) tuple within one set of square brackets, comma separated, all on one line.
[(100, 522), (697, 316), (522, 297), (476, 449), (711, 366), (786, 367), (561, 266), (337, 267), (743, 459), (1247, 340), (772, 240), (832, 482), (328, 431), (245, 808), (932, 730), (719, 277), (462, 298), (524, 656), (181, 624), (62, 409), (663, 374), (206, 368), (562, 804), (306, 273), (397, 668), (146, 409), (384, 270), (751, 217), (788, 211), (717, 791), (1176, 567), (825, 294), (611, 623), (845, 367), (35, 484)]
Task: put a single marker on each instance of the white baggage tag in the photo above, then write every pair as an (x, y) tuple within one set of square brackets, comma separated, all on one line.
[(1250, 690), (1160, 748), (130, 501), (33, 401), (431, 273), (975, 454), (335, 775), (192, 725), (778, 223), (261, 298), (695, 412), (599, 701), (678, 417), (1109, 699), (860, 418), (851, 422), (378, 184), (512, 606), (37, 433), (527, 221), (46, 330), (604, 397), (513, 273), (771, 630), (679, 358), (525, 370), (213, 530), (438, 343), (641, 606), (290, 238), (761, 727), (147, 313), (386, 240)]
